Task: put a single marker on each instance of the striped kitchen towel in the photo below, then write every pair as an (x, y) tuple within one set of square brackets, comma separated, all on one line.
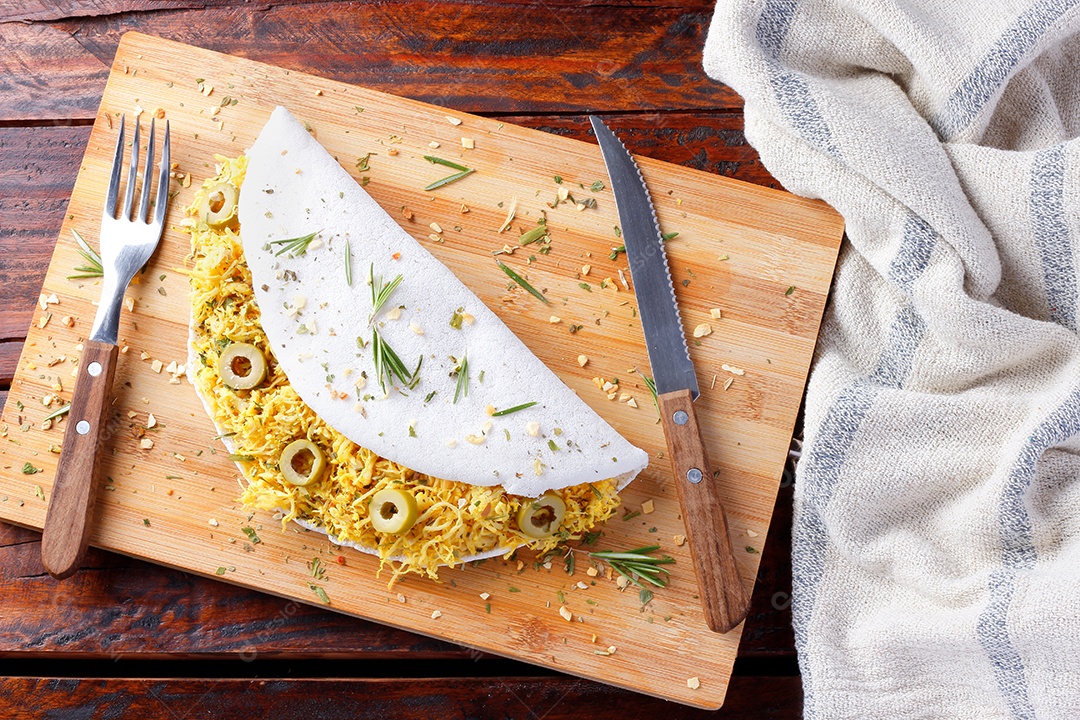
[(937, 521)]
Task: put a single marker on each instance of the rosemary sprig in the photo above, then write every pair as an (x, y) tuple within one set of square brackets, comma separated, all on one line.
[(462, 171), (348, 264), (92, 268), (637, 565), (462, 389), (387, 363), (380, 292), (296, 246), (521, 281), (507, 411)]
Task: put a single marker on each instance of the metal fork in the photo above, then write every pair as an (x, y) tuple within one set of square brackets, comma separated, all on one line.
[(126, 244)]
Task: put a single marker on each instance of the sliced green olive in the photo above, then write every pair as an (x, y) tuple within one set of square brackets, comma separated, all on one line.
[(393, 510), (541, 517), (302, 462), (218, 206), (242, 366)]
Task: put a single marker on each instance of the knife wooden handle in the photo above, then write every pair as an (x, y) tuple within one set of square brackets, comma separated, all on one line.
[(722, 594), (71, 507)]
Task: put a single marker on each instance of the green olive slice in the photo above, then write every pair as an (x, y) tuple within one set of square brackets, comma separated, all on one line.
[(302, 462), (393, 511), (218, 206), (542, 517), (241, 366)]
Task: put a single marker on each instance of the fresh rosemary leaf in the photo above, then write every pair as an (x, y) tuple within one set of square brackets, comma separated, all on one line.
[(651, 384), (638, 565), (449, 179), (462, 389), (348, 264), (522, 282), (507, 411), (669, 236), (447, 163), (57, 413)]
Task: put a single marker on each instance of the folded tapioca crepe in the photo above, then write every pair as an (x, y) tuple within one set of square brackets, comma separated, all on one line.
[(395, 412)]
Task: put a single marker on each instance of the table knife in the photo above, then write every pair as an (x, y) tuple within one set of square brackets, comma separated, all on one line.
[(723, 597)]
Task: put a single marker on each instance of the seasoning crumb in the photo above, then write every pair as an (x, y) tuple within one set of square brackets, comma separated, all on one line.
[(213, 522), (716, 313), (484, 595), (680, 540), (693, 683), (436, 227), (468, 143), (566, 614), (554, 319), (702, 330), (435, 614), (751, 533), (647, 507), (452, 120), (146, 443), (585, 269), (632, 403), (582, 360), (433, 144), (156, 366), (592, 572)]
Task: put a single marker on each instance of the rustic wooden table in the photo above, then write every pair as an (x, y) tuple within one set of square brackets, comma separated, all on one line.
[(126, 639)]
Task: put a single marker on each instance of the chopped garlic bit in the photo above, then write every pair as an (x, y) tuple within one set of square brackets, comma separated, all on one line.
[(475, 439), (680, 540), (416, 328), (727, 383), (484, 595), (146, 443), (151, 421), (716, 313), (565, 612), (693, 683), (582, 360), (467, 143), (732, 369), (436, 227), (156, 366), (532, 428), (452, 120), (702, 330), (647, 507), (435, 614), (554, 319), (213, 522), (632, 403), (585, 269)]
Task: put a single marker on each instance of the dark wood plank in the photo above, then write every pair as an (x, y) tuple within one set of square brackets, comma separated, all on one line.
[(37, 171), (46, 74), (476, 57), (9, 359), (551, 698), (31, 10)]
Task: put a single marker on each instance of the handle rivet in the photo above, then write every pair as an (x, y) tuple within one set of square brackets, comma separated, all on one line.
[(82, 427), (94, 369), (693, 475), (680, 417)]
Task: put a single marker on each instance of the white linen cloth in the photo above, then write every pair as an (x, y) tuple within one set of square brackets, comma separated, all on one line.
[(937, 521)]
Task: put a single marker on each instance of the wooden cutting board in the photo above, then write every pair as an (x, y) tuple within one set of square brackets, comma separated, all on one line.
[(764, 258)]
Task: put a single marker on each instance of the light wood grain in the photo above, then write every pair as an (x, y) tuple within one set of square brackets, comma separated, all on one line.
[(175, 503)]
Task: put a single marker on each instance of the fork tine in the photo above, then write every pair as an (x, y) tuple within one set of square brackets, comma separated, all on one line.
[(133, 166), (148, 164), (163, 181), (114, 175)]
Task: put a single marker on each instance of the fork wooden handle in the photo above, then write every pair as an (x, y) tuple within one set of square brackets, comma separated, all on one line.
[(71, 507), (722, 594)]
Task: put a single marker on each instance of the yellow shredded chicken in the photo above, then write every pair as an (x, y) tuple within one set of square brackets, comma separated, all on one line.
[(456, 519)]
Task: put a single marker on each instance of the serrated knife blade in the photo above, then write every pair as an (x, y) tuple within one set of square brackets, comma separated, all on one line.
[(723, 597), (664, 338)]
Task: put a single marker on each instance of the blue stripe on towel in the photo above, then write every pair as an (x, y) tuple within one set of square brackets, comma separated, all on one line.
[(999, 62), (1051, 233), (791, 89), (1018, 554), (821, 466)]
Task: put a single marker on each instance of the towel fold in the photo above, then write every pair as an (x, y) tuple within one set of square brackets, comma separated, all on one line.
[(936, 552)]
